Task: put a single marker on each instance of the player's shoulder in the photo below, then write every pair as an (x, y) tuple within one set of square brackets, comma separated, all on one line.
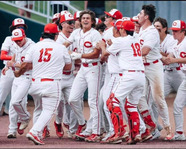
[(8, 39), (29, 40), (76, 31)]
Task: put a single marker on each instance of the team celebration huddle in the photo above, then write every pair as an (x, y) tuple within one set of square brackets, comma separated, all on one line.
[(128, 64)]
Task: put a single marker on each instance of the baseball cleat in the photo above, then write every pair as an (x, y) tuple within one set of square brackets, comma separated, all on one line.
[(46, 132), (24, 124), (146, 135), (11, 135), (93, 138), (82, 135), (18, 129), (179, 137), (80, 129), (35, 139), (155, 134), (59, 130), (107, 137), (135, 140), (170, 135)]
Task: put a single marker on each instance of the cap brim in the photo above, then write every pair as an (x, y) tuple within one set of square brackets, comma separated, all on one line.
[(107, 13), (17, 38), (174, 29)]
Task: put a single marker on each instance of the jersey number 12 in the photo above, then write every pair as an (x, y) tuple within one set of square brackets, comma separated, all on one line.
[(45, 55)]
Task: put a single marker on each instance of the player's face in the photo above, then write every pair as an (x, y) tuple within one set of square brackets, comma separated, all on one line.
[(141, 17), (160, 28), (86, 22), (108, 20), (20, 43), (68, 26), (177, 34)]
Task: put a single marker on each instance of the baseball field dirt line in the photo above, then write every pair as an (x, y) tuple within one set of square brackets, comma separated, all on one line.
[(53, 142)]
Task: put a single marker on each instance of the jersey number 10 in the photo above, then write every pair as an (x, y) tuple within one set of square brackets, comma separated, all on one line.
[(136, 49), (45, 55)]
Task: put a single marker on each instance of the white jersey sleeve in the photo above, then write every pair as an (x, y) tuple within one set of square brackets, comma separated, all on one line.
[(180, 52), (150, 38)]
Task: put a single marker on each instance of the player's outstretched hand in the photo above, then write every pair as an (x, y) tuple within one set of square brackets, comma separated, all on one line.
[(75, 55)]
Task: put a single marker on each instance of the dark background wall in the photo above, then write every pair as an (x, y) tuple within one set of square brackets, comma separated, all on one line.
[(170, 10)]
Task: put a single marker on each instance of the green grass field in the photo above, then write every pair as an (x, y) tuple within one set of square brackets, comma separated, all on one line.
[(77, 4)]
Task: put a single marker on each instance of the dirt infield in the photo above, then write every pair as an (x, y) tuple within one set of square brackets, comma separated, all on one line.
[(53, 142)]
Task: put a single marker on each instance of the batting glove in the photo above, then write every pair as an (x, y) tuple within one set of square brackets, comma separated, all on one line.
[(75, 55)]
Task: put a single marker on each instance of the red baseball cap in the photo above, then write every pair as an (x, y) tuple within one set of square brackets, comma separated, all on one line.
[(18, 34), (66, 17), (114, 13), (128, 25), (126, 18), (17, 22), (77, 14), (178, 25), (56, 16), (51, 28), (98, 21), (117, 24), (134, 19)]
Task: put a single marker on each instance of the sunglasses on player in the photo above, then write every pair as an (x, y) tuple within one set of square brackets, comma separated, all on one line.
[(107, 16), (70, 22)]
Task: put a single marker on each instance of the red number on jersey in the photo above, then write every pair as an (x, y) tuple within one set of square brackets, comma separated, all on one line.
[(46, 56), (136, 49)]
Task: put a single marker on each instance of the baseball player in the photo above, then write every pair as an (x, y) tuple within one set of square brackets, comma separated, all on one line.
[(150, 45), (110, 17), (178, 56), (89, 74), (173, 76), (131, 84), (7, 51), (45, 57), (20, 85), (68, 116)]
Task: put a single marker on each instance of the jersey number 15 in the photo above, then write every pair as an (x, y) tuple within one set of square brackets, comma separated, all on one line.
[(45, 55)]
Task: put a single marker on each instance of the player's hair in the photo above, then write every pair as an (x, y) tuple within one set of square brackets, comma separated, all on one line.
[(92, 14), (48, 35), (150, 10), (183, 30), (100, 26), (130, 32), (163, 23)]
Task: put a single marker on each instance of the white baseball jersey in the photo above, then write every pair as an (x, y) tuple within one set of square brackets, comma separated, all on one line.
[(150, 37), (180, 52), (108, 34), (86, 42), (9, 46), (128, 51), (42, 56), (61, 39), (21, 52), (167, 47)]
